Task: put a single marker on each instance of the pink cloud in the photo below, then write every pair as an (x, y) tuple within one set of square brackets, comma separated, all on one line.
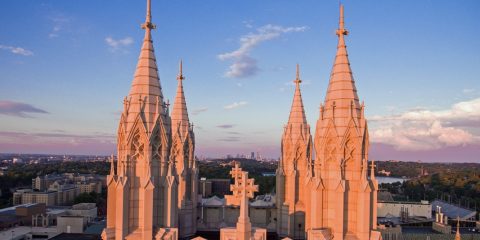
[(18, 109), (57, 143)]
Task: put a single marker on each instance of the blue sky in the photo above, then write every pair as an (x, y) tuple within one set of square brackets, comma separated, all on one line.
[(65, 67)]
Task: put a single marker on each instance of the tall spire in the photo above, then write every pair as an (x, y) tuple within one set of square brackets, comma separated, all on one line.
[(146, 91), (180, 121), (342, 93), (297, 112)]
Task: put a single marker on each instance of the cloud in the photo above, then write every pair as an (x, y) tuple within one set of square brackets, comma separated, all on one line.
[(57, 142), (117, 44), (57, 134), (423, 129), (226, 126), (59, 23), (17, 50), (243, 64), (235, 105), (468, 90), (18, 109), (229, 139), (199, 110)]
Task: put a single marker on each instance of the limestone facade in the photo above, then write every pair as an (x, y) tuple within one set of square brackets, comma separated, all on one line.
[(341, 200), (323, 190), (153, 183), (294, 171)]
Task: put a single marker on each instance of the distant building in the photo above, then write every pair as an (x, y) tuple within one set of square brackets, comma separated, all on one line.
[(252, 155), (397, 209), (76, 220), (20, 215), (17, 160), (453, 211), (213, 187), (383, 172), (87, 187), (41, 183), (56, 194), (25, 196)]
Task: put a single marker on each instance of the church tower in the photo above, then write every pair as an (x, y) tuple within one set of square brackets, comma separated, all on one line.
[(182, 153), (346, 197), (143, 192), (294, 171)]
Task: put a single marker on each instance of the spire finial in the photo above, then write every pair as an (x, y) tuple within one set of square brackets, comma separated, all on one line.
[(148, 19), (180, 76), (341, 26), (297, 79)]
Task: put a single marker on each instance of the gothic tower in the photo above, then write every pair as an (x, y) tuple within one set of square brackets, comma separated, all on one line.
[(182, 153), (294, 171), (142, 194), (346, 197)]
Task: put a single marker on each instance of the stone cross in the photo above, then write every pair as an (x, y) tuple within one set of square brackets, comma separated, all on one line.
[(236, 173)]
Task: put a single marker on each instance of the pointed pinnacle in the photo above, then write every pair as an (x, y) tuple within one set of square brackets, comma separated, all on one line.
[(180, 71), (341, 25), (297, 79), (148, 19)]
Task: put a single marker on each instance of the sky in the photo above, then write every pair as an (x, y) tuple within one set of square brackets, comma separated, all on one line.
[(65, 67)]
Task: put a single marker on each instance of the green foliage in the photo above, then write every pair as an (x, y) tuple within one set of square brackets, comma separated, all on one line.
[(20, 175), (458, 185)]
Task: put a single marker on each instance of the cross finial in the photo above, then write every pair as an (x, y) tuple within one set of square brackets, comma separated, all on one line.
[(341, 26), (297, 79), (148, 19), (180, 76)]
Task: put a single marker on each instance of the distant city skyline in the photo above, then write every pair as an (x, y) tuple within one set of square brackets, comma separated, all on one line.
[(65, 66)]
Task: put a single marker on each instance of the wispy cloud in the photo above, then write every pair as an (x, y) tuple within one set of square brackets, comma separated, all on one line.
[(118, 44), (57, 134), (468, 90), (243, 64), (226, 126), (57, 142), (18, 109), (199, 110), (235, 105), (17, 50), (423, 129), (59, 23), (229, 139)]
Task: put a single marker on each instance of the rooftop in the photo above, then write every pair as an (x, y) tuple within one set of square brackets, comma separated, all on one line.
[(453, 211)]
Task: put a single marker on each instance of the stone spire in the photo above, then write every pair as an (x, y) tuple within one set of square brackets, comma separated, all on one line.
[(180, 121), (294, 169), (146, 90), (341, 154), (297, 113), (341, 101)]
